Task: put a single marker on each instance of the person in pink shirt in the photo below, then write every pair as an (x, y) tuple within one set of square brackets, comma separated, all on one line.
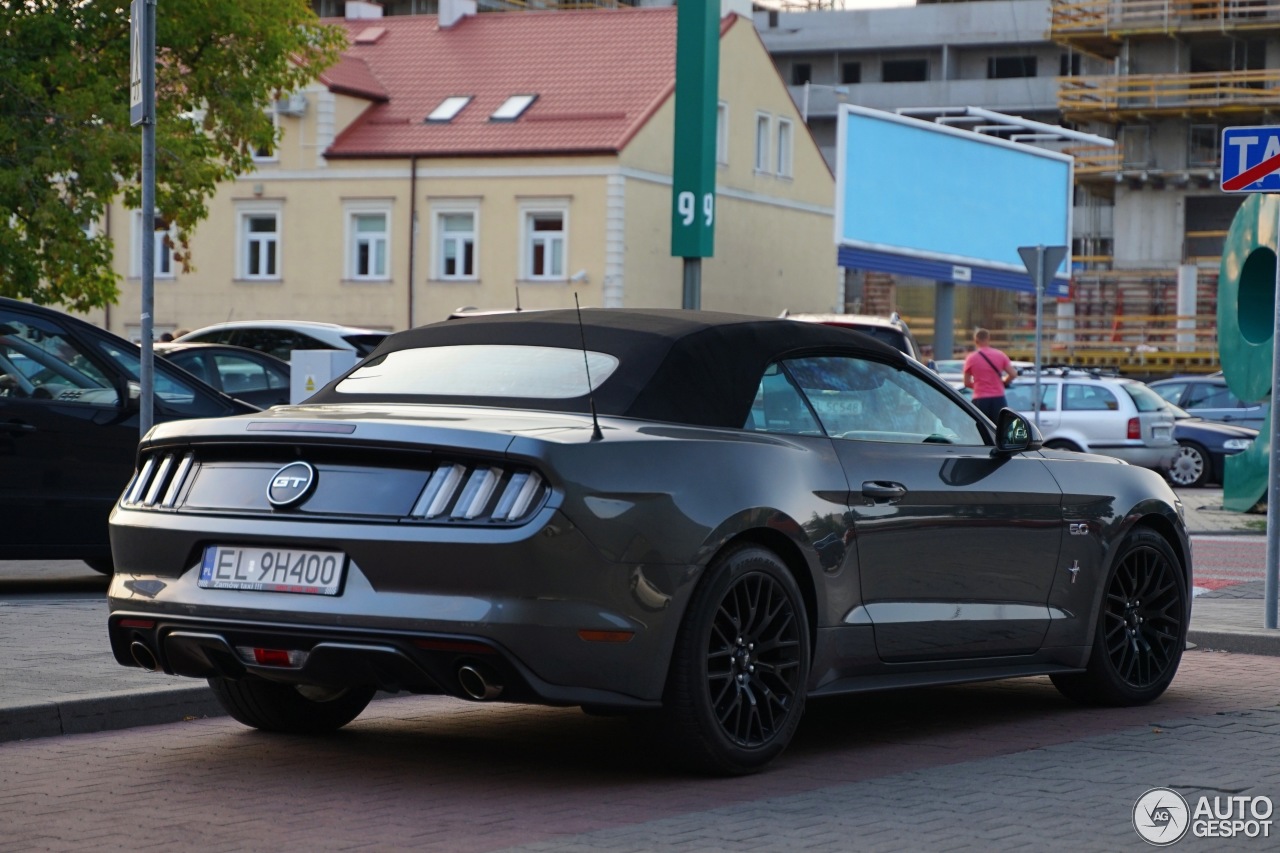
[(987, 371)]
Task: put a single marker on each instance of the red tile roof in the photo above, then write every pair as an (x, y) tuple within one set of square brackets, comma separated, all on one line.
[(598, 74)]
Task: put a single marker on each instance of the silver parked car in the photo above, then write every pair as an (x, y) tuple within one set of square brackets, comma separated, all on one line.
[(1098, 413)]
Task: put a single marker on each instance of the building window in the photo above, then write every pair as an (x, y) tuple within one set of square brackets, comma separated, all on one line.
[(545, 241), (851, 72), (1069, 65), (267, 153), (163, 249), (1002, 67), (762, 142), (1135, 146), (785, 138), (456, 244), (801, 73), (368, 238), (722, 134), (260, 245), (1202, 146), (904, 70)]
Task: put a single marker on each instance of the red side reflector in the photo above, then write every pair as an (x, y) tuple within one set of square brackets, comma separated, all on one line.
[(1135, 428), (138, 623), (271, 657), (460, 646), (605, 636)]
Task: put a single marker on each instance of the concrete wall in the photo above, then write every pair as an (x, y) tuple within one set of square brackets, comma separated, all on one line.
[(1148, 228)]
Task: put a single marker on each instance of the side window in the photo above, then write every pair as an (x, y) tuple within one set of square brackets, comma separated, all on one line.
[(171, 390), (277, 342), (1019, 396), (39, 361), (857, 398), (1088, 398), (779, 407), (1209, 396), (194, 364), (1171, 392), (240, 374)]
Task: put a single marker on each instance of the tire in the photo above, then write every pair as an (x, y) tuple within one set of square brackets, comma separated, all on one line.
[(288, 708), (1190, 467), (1141, 630), (736, 688), (1061, 444)]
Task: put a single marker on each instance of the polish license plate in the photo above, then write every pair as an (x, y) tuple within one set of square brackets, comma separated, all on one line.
[(1160, 433), (273, 570)]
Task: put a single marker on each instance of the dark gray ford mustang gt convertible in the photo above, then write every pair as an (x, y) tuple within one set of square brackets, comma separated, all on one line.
[(767, 510)]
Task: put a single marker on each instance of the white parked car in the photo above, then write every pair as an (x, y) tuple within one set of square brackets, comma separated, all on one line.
[(281, 337), (1085, 411)]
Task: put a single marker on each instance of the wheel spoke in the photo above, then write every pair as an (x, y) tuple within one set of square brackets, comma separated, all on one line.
[(753, 659)]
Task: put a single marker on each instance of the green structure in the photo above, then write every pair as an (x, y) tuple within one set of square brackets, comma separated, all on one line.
[(1246, 318)]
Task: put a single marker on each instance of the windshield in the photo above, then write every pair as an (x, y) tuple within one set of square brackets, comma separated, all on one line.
[(482, 370), (1144, 398)]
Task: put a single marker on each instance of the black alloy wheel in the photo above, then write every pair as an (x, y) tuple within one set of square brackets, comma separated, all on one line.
[(1142, 627), (1190, 466), (737, 683)]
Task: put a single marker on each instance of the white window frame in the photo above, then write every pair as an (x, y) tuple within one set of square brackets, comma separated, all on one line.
[(786, 144), (163, 267), (528, 213), (722, 134), (439, 237), (353, 238), (764, 129), (243, 238)]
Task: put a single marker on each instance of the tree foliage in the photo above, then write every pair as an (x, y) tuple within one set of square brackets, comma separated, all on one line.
[(67, 148)]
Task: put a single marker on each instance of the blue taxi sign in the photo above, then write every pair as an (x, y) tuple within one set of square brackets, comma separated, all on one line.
[(1251, 159)]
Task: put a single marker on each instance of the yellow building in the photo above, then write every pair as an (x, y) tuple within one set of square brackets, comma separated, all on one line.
[(523, 155)]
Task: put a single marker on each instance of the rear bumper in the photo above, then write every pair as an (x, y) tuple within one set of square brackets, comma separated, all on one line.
[(1144, 456), (393, 661)]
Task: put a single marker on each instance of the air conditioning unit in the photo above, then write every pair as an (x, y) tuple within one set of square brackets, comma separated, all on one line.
[(294, 105)]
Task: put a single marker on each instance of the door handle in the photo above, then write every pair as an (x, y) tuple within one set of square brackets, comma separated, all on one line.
[(17, 426), (879, 490)]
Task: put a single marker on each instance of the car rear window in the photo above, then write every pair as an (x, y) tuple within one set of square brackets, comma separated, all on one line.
[(1144, 398), (364, 344), (482, 370)]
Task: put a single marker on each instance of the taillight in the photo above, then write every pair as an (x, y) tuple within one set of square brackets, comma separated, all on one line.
[(1135, 428)]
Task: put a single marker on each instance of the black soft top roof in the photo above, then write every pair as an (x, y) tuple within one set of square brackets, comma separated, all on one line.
[(688, 367)]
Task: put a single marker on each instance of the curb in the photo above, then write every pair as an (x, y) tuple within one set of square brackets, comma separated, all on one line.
[(1253, 642), (107, 711)]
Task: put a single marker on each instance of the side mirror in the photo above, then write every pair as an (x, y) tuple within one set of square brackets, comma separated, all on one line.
[(130, 396), (1014, 433)]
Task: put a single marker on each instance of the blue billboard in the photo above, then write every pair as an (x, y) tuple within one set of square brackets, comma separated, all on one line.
[(929, 200)]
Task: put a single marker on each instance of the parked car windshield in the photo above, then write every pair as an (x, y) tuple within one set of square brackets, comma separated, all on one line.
[(1144, 398), (482, 370)]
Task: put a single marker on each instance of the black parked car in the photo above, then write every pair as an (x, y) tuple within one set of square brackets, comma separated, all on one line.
[(246, 374), (1203, 447), (69, 430), (767, 510)]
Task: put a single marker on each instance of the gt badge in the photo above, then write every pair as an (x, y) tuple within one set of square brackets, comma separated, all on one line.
[(291, 484)]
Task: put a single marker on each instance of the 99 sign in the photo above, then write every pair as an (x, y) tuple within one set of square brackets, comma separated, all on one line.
[(686, 207)]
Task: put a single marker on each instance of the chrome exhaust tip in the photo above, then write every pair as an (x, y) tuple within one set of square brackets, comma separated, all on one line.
[(476, 684), (143, 656)]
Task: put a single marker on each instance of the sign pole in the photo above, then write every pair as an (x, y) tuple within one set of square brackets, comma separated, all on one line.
[(142, 111), (1271, 589), (693, 177), (1041, 262)]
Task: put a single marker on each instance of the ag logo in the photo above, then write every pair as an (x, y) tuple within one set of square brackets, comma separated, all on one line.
[(291, 484), (1161, 816)]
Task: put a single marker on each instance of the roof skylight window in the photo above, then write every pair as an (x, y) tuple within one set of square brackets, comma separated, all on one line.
[(512, 108), (449, 108)]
